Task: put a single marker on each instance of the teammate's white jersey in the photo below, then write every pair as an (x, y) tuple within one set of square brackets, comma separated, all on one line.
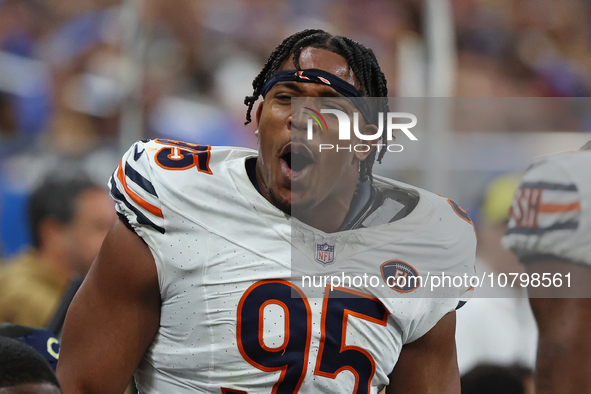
[(551, 211), (235, 318)]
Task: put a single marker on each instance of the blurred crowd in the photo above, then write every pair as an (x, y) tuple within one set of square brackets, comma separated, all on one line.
[(74, 74), (82, 79), (525, 48)]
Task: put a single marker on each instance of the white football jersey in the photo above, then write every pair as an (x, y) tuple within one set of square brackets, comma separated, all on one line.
[(551, 211), (238, 315)]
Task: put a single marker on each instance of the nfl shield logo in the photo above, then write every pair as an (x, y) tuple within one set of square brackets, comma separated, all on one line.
[(324, 253)]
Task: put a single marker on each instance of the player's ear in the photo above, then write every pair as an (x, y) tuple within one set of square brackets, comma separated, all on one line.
[(259, 111), (368, 129)]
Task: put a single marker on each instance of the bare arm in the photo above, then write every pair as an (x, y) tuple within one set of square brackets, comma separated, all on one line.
[(113, 318), (564, 349), (429, 364)]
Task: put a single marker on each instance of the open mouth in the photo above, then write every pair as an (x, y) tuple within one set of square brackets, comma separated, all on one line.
[(296, 161)]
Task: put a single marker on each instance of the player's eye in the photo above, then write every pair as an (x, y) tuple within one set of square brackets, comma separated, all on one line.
[(283, 95), (283, 98)]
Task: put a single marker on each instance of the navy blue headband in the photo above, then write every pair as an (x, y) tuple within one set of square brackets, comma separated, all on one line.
[(314, 75)]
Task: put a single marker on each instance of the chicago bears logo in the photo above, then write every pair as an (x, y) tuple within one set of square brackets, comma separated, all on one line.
[(324, 253), (400, 276)]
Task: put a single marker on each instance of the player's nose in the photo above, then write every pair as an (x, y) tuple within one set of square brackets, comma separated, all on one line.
[(298, 122)]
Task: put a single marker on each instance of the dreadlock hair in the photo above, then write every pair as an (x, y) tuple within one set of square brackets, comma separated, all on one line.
[(360, 58)]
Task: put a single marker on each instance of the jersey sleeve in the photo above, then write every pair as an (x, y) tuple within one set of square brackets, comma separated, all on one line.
[(439, 303), (133, 188), (546, 215), (454, 257)]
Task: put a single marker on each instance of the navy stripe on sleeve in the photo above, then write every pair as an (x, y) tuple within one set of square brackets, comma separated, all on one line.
[(570, 225), (141, 218), (550, 186), (125, 221), (139, 180)]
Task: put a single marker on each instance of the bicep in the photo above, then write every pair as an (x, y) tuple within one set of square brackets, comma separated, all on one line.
[(113, 317), (429, 364)]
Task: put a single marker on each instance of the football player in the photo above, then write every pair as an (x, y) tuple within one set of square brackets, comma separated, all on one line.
[(193, 287), (549, 230)]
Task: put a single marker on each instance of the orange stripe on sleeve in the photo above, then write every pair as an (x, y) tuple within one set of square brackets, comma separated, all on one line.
[(140, 201), (556, 208)]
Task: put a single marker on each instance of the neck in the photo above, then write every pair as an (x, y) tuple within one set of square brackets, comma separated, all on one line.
[(327, 216), (330, 213)]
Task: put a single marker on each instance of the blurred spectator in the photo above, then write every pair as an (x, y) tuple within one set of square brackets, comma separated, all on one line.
[(68, 219), (24, 371), (24, 80), (497, 325), (493, 379), (525, 48), (68, 68)]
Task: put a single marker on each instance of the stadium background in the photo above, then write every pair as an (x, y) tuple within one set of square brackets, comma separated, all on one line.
[(81, 80)]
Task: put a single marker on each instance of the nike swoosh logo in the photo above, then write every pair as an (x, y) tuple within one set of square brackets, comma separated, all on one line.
[(136, 154)]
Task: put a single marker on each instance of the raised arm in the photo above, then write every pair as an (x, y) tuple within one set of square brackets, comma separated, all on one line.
[(429, 364), (113, 318)]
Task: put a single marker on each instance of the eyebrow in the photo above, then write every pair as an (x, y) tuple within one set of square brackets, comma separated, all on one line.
[(295, 86)]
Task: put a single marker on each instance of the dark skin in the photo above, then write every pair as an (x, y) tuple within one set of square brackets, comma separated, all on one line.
[(116, 313), (429, 365), (113, 318), (321, 198), (563, 364)]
